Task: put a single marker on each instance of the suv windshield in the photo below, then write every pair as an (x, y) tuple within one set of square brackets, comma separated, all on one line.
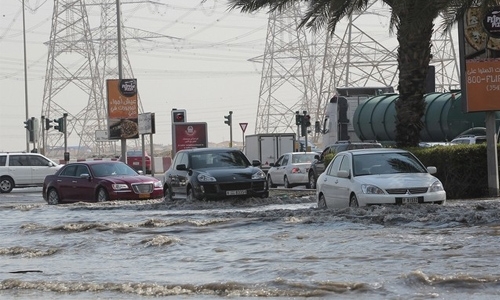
[(218, 160)]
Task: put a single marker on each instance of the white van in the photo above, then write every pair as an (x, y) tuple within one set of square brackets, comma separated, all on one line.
[(24, 170)]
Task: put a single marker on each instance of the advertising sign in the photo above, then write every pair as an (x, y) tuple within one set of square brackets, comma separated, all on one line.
[(146, 123), (101, 135), (189, 135), (480, 59), (122, 109)]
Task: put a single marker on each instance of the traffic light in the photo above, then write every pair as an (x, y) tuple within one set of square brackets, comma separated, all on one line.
[(178, 116), (298, 118), (48, 124), (60, 125), (28, 124), (307, 120), (229, 119)]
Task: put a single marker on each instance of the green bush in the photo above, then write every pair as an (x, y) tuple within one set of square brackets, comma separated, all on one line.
[(328, 158), (461, 168)]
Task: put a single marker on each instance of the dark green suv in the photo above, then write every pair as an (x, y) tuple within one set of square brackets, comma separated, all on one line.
[(318, 165)]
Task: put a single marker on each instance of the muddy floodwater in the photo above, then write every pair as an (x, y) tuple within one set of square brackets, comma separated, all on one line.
[(277, 248)]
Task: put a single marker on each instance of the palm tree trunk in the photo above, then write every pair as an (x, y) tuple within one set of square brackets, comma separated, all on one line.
[(414, 55)]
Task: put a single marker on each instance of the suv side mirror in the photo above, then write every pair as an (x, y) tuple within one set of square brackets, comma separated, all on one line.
[(256, 163)]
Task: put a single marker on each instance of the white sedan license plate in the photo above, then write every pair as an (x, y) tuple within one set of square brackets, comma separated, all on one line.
[(235, 193), (408, 200)]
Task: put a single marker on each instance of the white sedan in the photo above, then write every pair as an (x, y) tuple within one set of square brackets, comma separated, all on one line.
[(290, 169), (377, 176)]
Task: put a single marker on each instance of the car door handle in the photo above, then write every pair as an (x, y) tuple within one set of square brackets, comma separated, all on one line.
[(336, 181), (74, 181)]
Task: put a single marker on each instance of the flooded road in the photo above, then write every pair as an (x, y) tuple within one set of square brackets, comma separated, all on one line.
[(277, 248)]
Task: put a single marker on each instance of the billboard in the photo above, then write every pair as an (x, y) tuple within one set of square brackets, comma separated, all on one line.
[(188, 135), (480, 59), (122, 109)]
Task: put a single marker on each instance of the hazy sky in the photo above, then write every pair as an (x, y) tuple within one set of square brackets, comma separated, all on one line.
[(207, 72)]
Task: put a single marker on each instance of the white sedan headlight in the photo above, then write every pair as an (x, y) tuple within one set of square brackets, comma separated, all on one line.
[(204, 177), (371, 189), (436, 186), (259, 175), (119, 186)]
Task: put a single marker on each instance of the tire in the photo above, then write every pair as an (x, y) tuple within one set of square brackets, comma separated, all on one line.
[(322, 202), (312, 181), (353, 201), (102, 195), (270, 183), (286, 183), (167, 194), (6, 185), (190, 194), (53, 197)]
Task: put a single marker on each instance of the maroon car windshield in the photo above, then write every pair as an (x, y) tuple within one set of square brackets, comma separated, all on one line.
[(112, 169)]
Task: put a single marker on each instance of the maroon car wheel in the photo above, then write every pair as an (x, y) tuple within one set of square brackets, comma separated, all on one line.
[(102, 195), (52, 197)]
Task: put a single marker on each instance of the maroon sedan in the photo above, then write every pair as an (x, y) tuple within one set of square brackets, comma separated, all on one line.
[(97, 181)]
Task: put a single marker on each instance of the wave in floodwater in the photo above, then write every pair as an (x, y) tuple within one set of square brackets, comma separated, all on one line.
[(276, 248), (431, 286)]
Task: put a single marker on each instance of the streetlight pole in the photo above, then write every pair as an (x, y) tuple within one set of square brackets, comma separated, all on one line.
[(120, 72), (25, 81)]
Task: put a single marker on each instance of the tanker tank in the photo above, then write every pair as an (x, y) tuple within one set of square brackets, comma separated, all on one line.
[(443, 119)]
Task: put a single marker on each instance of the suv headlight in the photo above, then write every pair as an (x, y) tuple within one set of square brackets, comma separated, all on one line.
[(436, 186), (259, 175), (204, 177)]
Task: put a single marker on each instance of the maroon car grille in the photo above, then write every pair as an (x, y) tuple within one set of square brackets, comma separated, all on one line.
[(415, 190), (143, 188)]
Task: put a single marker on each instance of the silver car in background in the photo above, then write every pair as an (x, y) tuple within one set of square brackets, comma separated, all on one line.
[(290, 170)]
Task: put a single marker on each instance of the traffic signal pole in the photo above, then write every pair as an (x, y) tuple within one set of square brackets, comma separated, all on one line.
[(229, 121)]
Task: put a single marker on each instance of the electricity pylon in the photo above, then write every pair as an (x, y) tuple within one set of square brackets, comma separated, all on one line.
[(301, 69)]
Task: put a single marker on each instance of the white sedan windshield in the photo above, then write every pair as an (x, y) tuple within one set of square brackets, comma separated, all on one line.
[(386, 163)]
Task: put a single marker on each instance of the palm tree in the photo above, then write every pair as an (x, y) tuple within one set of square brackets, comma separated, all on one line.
[(413, 21)]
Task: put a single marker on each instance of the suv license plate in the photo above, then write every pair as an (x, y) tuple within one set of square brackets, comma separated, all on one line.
[(237, 192)]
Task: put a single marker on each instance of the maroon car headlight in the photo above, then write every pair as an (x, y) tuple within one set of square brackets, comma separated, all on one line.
[(119, 186), (157, 184)]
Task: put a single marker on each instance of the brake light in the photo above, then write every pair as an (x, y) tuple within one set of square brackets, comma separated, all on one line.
[(296, 170)]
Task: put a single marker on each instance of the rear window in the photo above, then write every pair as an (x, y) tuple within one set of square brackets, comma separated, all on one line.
[(135, 153), (3, 160), (365, 146)]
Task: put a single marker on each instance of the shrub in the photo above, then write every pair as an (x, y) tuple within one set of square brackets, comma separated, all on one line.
[(461, 168)]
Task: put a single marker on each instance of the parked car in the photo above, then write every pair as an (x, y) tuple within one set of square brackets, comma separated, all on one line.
[(213, 173), (377, 176), (134, 160), (318, 165), (290, 170), (19, 170), (468, 140), (98, 181)]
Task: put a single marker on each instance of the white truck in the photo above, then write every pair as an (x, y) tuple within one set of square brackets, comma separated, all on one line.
[(268, 147)]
